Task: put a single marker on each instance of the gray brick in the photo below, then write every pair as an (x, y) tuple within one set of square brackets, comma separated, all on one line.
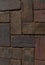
[(22, 41), (4, 61), (9, 4), (27, 11), (4, 34)]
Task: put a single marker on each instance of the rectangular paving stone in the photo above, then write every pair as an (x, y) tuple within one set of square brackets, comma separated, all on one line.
[(16, 22), (4, 34), (16, 53), (40, 28), (39, 4), (38, 62), (4, 16), (28, 56), (27, 14), (23, 41), (15, 62), (9, 4), (39, 16), (28, 28), (5, 52), (4, 61), (40, 48)]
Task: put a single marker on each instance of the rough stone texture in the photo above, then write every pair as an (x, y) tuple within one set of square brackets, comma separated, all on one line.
[(16, 22), (28, 28), (9, 4), (22, 41), (27, 11), (39, 16), (4, 34), (39, 4), (28, 56), (40, 28), (4, 16), (40, 47), (15, 62), (38, 62)]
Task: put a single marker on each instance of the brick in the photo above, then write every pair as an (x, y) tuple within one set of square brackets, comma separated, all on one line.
[(16, 53), (22, 41), (39, 16), (39, 49), (27, 11), (4, 34), (16, 22), (4, 61), (40, 28), (5, 52), (28, 56), (9, 5), (4, 16), (28, 28), (38, 62), (39, 4), (15, 62)]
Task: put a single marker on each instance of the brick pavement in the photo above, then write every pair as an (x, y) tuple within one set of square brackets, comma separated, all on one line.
[(22, 32)]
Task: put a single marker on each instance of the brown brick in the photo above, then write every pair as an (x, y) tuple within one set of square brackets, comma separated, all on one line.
[(16, 53), (28, 56), (16, 22), (40, 48), (38, 62), (40, 28), (27, 11), (9, 5), (15, 62), (39, 16), (4, 16), (28, 28), (39, 4)]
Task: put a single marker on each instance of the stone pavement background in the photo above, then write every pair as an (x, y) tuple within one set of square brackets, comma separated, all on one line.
[(22, 32)]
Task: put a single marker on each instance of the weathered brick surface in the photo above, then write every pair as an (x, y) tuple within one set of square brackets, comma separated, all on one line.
[(39, 4), (4, 34), (38, 62), (22, 41), (39, 16), (40, 47), (9, 5), (28, 56), (4, 16), (16, 22), (27, 11)]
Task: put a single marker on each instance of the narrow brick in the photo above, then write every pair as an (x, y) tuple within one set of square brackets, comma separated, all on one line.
[(16, 22), (27, 11), (9, 5), (23, 41), (4, 16), (28, 56), (40, 28), (15, 62), (39, 4), (39, 16), (4, 34), (28, 28)]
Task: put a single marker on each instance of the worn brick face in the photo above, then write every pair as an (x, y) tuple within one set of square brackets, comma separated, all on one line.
[(27, 11), (22, 41), (16, 22), (39, 16), (4, 16), (39, 4), (4, 34), (28, 56), (9, 5)]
